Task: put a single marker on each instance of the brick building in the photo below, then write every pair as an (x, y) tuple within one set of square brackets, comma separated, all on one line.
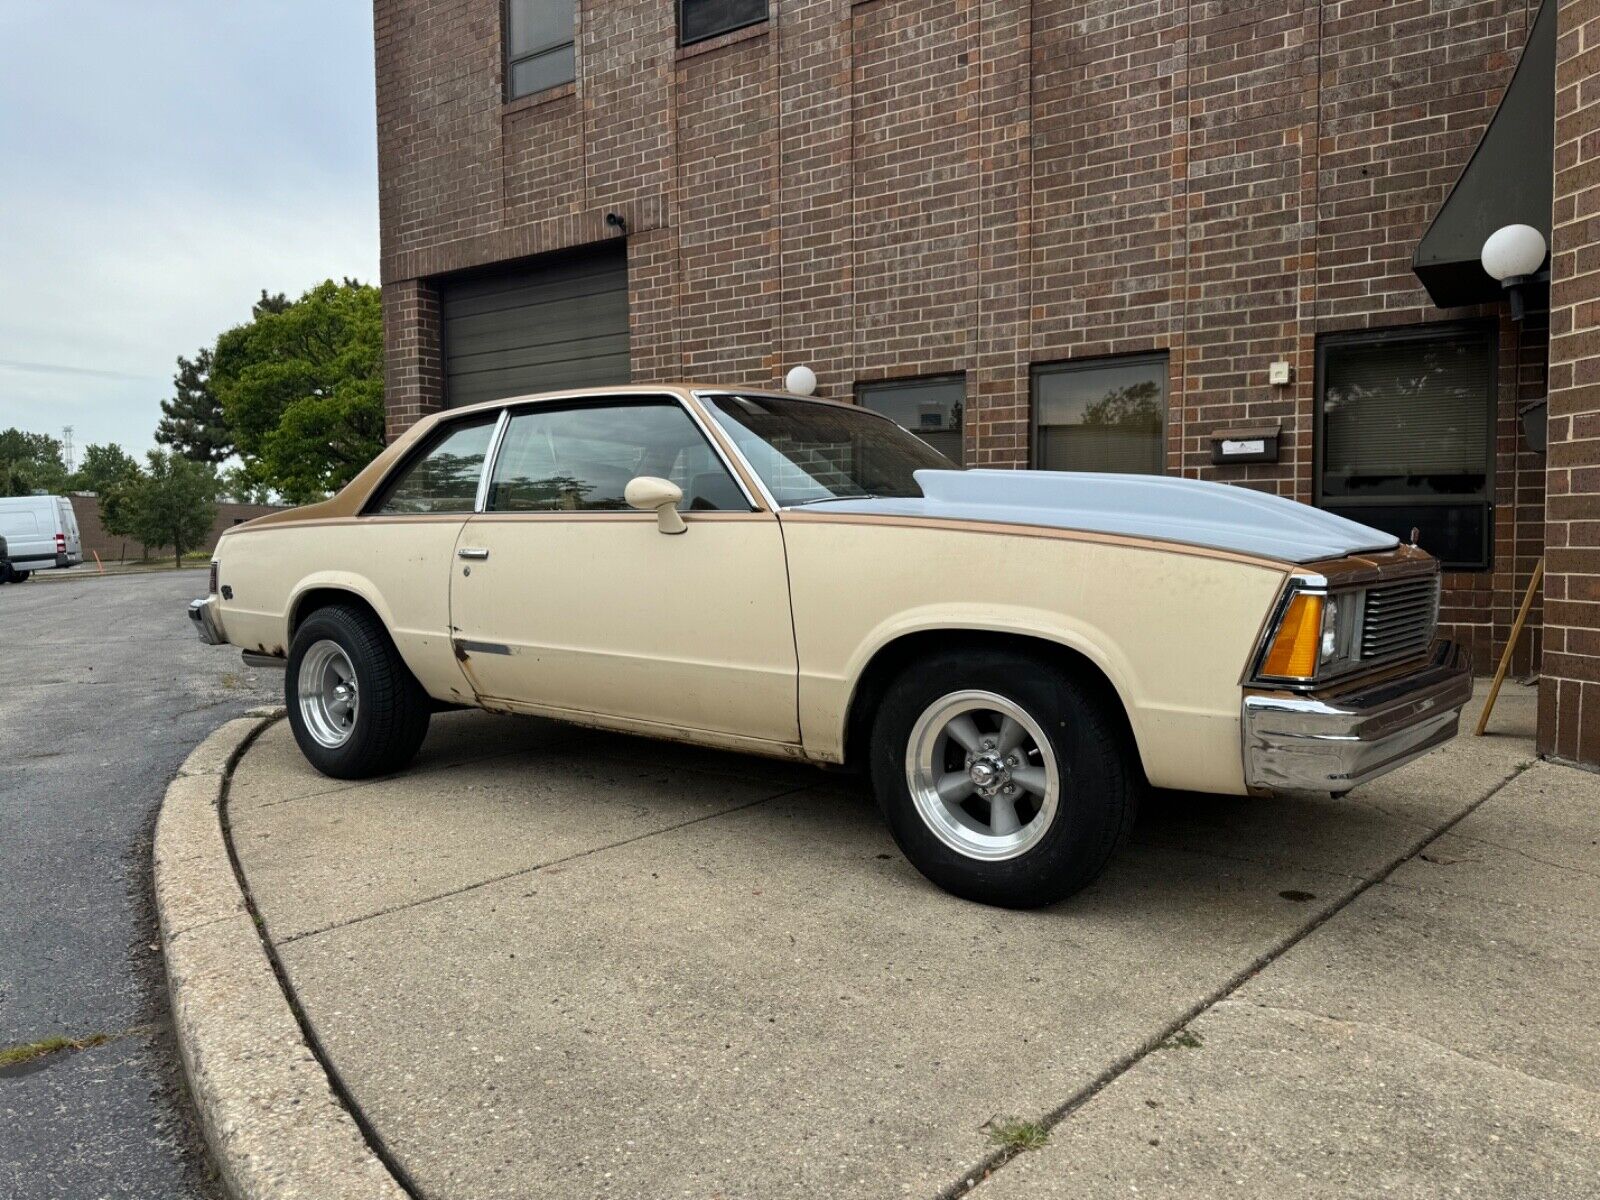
[(1055, 233)]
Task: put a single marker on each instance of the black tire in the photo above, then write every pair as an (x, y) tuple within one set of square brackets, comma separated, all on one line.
[(391, 718), (1097, 799), (20, 576)]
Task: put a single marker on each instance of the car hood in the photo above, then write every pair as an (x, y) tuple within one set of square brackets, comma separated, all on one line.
[(1216, 515)]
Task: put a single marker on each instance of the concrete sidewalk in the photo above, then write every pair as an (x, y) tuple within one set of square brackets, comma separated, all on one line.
[(553, 958)]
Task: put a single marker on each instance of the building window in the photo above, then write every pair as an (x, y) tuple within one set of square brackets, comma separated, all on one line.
[(1405, 431), (538, 38), (1102, 414), (702, 19), (932, 408)]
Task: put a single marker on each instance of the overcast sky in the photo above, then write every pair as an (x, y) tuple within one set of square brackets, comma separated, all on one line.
[(160, 163)]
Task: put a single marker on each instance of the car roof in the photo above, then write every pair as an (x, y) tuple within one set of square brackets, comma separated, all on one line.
[(630, 389)]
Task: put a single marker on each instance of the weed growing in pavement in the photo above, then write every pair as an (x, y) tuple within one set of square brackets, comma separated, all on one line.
[(1016, 1135), (12, 1056)]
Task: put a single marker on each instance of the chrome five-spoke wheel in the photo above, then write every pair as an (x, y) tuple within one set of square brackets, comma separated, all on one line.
[(983, 775), (328, 694)]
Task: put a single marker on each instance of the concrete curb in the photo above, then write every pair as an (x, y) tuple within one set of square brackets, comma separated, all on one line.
[(269, 1113)]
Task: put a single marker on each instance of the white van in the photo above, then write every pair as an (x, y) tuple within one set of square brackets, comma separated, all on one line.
[(40, 533)]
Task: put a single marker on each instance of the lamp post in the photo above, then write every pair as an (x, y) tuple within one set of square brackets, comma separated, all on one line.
[(1512, 254)]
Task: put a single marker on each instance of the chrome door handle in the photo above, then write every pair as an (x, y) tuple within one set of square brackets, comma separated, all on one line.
[(472, 552)]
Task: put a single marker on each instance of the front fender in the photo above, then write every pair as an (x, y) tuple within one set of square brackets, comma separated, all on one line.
[(1077, 635)]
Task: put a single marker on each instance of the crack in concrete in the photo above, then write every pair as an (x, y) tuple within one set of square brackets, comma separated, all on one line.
[(532, 870), (991, 1163), (1406, 1035), (1521, 853)]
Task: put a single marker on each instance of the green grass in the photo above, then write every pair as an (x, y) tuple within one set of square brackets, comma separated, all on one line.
[(1016, 1135), (12, 1055), (1184, 1039)]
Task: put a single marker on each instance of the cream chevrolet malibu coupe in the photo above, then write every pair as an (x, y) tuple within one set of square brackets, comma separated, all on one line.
[(1012, 655)]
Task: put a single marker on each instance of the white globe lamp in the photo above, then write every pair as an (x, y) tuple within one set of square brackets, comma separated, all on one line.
[(802, 381), (1512, 254)]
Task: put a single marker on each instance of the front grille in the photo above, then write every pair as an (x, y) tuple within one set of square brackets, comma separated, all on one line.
[(1399, 618)]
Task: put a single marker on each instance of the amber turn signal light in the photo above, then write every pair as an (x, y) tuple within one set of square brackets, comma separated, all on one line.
[(1294, 647)]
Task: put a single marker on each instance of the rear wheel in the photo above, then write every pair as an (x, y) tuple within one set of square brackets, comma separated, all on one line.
[(1002, 778), (355, 708), (20, 576)]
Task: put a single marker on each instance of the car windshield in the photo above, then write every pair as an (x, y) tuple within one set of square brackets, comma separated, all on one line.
[(806, 451)]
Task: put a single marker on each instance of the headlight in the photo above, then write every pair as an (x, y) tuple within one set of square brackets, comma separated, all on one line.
[(1338, 631)]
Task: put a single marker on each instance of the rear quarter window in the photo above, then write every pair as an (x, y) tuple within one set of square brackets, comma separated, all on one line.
[(443, 476)]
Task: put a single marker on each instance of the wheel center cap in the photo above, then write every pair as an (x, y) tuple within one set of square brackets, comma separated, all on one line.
[(986, 772)]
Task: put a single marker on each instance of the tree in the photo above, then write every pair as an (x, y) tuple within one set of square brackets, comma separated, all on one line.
[(301, 388), (173, 502), (117, 501), (103, 468), (193, 423), (29, 463), (241, 488), (1137, 406)]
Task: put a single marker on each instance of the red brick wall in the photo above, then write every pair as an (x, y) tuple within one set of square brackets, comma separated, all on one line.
[(895, 187), (1569, 689)]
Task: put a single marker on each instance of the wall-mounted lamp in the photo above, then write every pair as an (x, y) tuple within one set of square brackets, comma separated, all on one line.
[(801, 381), (1512, 254), (618, 222)]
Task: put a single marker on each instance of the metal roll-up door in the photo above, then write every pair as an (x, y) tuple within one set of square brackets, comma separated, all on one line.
[(560, 322)]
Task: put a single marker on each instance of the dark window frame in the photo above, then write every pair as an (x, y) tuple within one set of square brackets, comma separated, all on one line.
[(863, 386), (1162, 358), (507, 63), (1440, 330), (766, 15)]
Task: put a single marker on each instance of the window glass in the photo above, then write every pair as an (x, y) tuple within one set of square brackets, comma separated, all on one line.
[(547, 70), (1403, 421), (931, 408), (580, 458), (445, 478), (1107, 414), (806, 451), (701, 19), (538, 40)]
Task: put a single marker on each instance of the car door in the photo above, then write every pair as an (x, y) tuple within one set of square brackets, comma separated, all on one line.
[(566, 599), (400, 553)]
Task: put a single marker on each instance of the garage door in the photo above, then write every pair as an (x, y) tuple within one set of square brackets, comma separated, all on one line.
[(555, 323)]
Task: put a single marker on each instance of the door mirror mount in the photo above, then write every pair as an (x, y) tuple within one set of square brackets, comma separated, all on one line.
[(661, 496)]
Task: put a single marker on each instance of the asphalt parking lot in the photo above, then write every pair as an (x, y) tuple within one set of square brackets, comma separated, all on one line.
[(106, 689)]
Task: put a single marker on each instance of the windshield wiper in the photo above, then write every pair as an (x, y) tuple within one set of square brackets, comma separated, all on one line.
[(826, 499)]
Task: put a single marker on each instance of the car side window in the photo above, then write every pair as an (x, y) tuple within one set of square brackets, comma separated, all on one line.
[(444, 478), (579, 458)]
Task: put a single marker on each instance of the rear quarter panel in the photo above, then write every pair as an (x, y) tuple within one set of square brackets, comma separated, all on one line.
[(1171, 628), (400, 566)]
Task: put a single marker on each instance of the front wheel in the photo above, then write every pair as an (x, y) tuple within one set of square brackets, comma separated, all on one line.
[(354, 706), (1003, 779)]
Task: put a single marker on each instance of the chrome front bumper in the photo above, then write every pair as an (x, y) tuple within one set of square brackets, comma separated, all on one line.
[(206, 622), (1334, 741)]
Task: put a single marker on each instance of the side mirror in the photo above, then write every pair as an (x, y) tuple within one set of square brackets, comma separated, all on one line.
[(661, 496)]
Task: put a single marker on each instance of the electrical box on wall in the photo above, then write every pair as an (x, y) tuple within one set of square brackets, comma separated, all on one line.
[(1252, 444), (1280, 374)]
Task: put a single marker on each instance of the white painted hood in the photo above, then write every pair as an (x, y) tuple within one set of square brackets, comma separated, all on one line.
[(1217, 515)]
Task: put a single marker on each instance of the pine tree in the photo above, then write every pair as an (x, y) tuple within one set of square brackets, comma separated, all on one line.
[(192, 423)]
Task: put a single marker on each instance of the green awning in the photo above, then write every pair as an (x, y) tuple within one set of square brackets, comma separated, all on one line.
[(1507, 182)]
